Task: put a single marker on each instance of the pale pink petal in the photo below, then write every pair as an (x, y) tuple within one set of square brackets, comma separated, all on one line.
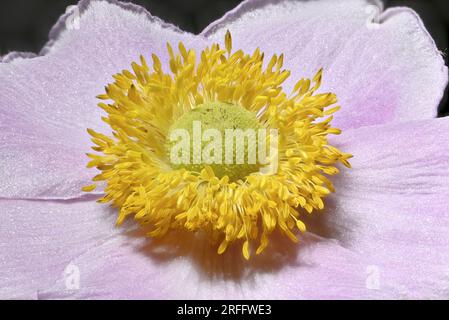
[(384, 67), (39, 239), (385, 234), (32, 165)]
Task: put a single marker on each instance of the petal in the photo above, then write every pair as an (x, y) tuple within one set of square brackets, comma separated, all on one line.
[(38, 239), (382, 72), (47, 102), (34, 166), (391, 207), (385, 235)]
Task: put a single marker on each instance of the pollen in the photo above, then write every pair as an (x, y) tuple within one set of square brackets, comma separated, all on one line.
[(167, 185)]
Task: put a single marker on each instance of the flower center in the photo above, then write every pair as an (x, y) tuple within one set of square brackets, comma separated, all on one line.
[(215, 134), (179, 158)]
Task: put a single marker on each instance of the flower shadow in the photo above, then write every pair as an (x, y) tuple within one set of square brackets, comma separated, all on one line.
[(323, 223), (231, 265), (202, 253)]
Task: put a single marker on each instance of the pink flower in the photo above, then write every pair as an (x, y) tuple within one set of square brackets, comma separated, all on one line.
[(384, 233)]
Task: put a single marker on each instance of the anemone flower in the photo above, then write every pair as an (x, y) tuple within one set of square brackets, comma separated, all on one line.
[(376, 230)]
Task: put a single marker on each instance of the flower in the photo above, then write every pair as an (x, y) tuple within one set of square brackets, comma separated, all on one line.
[(383, 233)]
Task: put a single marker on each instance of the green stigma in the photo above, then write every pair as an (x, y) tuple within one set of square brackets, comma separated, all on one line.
[(215, 134)]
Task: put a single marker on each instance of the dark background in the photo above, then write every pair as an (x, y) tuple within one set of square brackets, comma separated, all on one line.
[(24, 24)]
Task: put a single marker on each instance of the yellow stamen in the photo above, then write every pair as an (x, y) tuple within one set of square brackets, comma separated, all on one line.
[(89, 188)]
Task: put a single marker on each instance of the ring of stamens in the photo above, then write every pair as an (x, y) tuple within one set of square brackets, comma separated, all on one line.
[(140, 181)]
